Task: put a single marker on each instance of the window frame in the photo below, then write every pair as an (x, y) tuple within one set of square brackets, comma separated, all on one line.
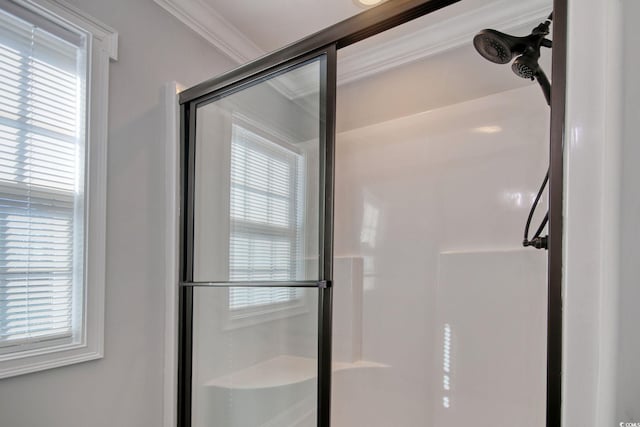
[(102, 44)]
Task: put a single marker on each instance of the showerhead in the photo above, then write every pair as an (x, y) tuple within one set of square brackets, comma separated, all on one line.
[(526, 65), (501, 48), (497, 47)]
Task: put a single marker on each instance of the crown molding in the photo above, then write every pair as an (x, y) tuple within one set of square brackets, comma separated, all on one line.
[(369, 59), (208, 23)]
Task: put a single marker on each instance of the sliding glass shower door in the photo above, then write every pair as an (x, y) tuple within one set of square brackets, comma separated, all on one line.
[(256, 289)]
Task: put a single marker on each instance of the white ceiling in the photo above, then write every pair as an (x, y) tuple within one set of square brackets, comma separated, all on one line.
[(275, 23)]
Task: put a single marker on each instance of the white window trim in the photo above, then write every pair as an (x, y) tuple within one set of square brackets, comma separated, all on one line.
[(172, 208), (102, 47)]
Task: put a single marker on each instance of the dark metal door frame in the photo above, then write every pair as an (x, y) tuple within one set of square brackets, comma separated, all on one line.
[(556, 220), (328, 41), (327, 58)]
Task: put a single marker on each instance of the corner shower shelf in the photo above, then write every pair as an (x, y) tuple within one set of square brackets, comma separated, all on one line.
[(281, 371)]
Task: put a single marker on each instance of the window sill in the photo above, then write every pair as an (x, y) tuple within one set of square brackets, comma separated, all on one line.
[(20, 348), (47, 358)]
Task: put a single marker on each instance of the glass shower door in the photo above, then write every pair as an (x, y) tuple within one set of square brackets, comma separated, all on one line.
[(256, 291)]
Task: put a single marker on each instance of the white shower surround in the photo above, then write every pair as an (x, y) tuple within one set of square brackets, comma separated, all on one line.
[(435, 204)]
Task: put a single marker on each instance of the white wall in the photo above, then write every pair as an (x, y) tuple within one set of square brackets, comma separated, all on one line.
[(125, 388), (628, 387), (435, 204)]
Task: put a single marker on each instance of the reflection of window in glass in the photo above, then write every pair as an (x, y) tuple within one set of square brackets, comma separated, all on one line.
[(446, 366), (266, 242), (369, 225)]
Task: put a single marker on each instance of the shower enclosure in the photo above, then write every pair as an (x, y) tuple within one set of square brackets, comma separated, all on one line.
[(349, 259)]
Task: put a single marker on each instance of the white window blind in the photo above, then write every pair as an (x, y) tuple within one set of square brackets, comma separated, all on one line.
[(266, 219), (41, 180)]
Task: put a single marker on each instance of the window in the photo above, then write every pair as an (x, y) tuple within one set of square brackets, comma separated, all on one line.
[(41, 185), (49, 223), (267, 182)]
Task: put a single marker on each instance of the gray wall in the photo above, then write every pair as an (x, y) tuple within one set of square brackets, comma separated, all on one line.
[(628, 387), (125, 388)]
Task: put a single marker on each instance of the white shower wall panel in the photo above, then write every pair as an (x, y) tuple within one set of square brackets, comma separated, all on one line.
[(455, 180)]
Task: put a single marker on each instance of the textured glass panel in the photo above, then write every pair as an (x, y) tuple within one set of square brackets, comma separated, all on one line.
[(256, 182), (254, 366)]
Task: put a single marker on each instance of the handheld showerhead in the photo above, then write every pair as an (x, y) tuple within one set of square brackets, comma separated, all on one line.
[(526, 65)]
